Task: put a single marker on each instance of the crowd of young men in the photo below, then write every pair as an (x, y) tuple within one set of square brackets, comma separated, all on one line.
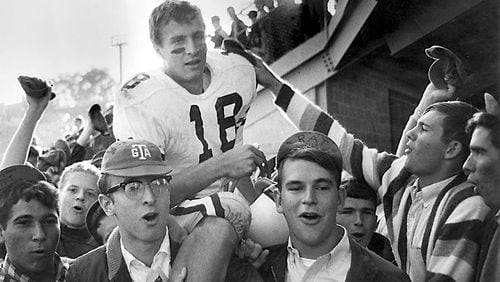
[(439, 198)]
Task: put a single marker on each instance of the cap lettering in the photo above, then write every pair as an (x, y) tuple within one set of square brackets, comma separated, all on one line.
[(140, 151)]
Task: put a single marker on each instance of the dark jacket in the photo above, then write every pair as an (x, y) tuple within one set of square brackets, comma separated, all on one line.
[(106, 263), (366, 266), (75, 242)]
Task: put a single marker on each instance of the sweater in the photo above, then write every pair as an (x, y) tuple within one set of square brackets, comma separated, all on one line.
[(451, 242)]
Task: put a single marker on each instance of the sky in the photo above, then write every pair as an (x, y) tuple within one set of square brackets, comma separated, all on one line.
[(47, 38)]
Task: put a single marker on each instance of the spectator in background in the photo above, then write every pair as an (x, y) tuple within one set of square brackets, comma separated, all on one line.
[(78, 190), (263, 7), (282, 30), (254, 35), (315, 16), (359, 218), (52, 164), (219, 33), (238, 28), (29, 225)]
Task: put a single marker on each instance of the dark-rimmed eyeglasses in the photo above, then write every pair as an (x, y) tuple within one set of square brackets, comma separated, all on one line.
[(134, 189)]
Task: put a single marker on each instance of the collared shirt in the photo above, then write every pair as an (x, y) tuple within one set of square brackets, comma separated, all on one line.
[(8, 271), (161, 261), (423, 200), (332, 266)]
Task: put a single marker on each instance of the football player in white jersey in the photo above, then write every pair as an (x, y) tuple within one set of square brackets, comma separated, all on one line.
[(194, 109)]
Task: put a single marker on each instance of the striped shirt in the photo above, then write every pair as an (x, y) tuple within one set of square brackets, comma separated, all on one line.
[(451, 239)]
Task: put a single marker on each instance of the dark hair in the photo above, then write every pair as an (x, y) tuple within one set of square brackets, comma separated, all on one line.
[(359, 190), (324, 159), (456, 116), (170, 10), (488, 121), (41, 191)]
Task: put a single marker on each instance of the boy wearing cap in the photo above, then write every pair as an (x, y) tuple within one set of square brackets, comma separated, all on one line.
[(29, 226), (309, 197), (134, 188)]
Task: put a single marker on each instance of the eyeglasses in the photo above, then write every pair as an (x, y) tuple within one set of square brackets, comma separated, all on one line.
[(134, 189)]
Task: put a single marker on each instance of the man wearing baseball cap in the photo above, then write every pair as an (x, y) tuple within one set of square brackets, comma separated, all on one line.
[(134, 188), (29, 226), (309, 196)]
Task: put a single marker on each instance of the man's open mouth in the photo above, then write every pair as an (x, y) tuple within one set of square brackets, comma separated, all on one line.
[(151, 216), (358, 235), (310, 217)]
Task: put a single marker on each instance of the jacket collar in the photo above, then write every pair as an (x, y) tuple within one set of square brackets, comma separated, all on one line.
[(362, 266), (114, 255)]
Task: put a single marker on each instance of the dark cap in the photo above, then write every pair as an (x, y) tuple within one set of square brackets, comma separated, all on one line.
[(54, 157), (309, 139), (134, 158), (13, 175)]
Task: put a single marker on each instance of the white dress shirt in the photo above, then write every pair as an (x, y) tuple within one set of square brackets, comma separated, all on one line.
[(161, 261), (423, 200), (332, 266)]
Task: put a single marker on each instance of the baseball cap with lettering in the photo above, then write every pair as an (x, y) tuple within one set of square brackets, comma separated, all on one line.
[(309, 139), (134, 158)]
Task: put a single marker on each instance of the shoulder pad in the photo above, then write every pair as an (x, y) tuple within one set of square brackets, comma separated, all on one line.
[(139, 87)]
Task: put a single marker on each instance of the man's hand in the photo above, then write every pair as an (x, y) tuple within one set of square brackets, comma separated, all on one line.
[(252, 252), (240, 161), (435, 94), (179, 277), (38, 93), (266, 77)]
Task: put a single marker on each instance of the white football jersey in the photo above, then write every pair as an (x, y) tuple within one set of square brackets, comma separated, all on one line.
[(188, 128)]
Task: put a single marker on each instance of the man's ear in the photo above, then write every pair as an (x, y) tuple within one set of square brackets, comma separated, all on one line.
[(454, 150), (341, 199), (277, 200), (107, 204)]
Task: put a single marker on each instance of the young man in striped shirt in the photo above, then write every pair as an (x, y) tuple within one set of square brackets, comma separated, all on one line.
[(433, 215)]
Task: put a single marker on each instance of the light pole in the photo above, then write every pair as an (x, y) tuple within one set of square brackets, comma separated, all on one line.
[(119, 41)]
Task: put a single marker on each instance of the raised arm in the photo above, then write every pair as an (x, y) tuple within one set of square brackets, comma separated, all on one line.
[(359, 160), (18, 147)]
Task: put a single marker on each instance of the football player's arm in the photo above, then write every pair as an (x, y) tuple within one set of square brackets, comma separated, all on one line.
[(359, 160), (238, 162), (18, 147)]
